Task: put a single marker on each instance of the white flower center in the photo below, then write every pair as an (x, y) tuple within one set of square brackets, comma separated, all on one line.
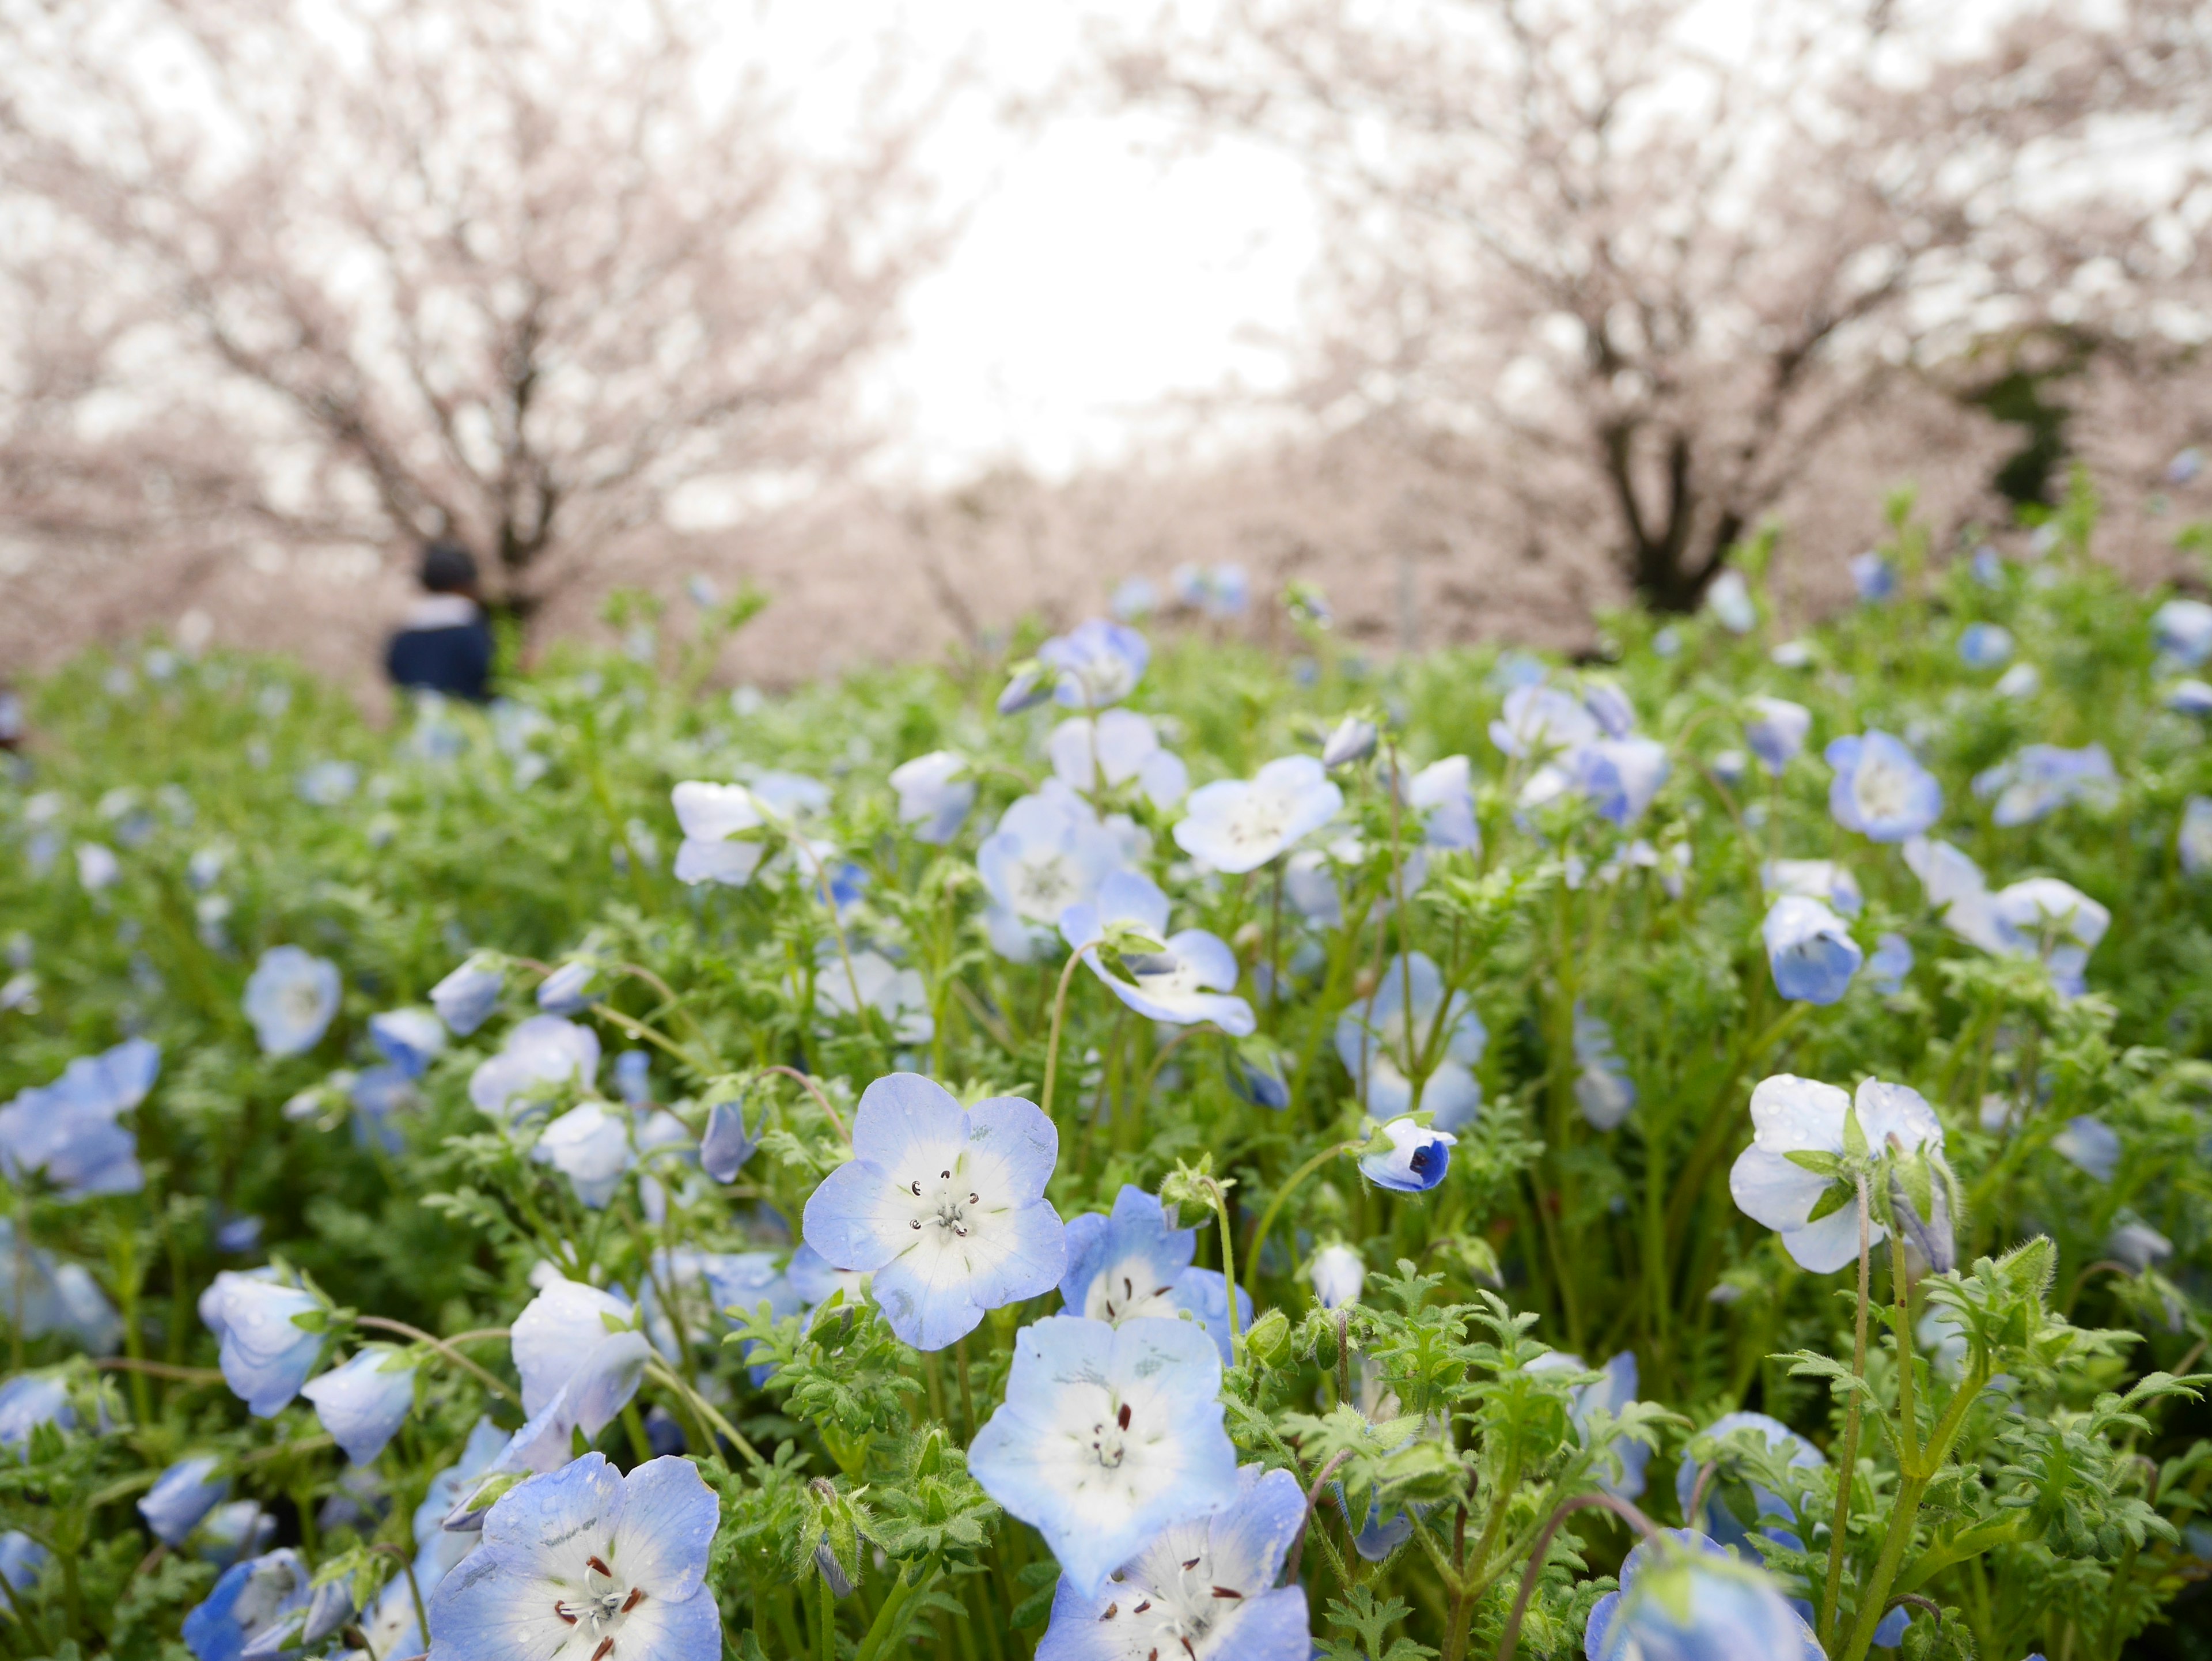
[(300, 1002), (1161, 975), (1259, 820), (943, 1204), (1045, 887), (598, 1615), (1130, 1288), (1178, 1618), (1881, 789)]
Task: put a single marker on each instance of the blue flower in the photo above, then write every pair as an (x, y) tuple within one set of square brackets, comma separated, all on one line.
[(2091, 1146), (184, 1493), (41, 1294), (720, 825), (1810, 951), (363, 1402), (1187, 980), (1609, 1395), (1620, 775), (587, 1561), (1203, 1294), (590, 1145), (2189, 697), (23, 1560), (1777, 731), (542, 1055), (251, 1599), (1134, 599), (1131, 1265), (67, 1130), (899, 995), (1891, 963), (29, 1400), (410, 1039), (1874, 577), (1730, 600), (945, 1205), (1107, 1436), (1879, 790), (579, 1357), (2193, 840), (1029, 687), (2184, 467), (2042, 778), (465, 998), (1720, 1519), (566, 990), (1049, 852), (1238, 825), (1603, 1090), (633, 1073), (1685, 1598), (1353, 740), (2183, 630), (1204, 1589), (1790, 1115), (1539, 720), (290, 998), (1984, 645), (1415, 1161), (728, 1144), (934, 795), (1090, 755), (1442, 795), (265, 1354), (1338, 1274), (1095, 664), (1815, 879), (1228, 593), (1372, 1039)]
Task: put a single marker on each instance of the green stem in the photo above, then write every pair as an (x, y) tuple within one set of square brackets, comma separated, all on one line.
[(1847, 1464), (706, 1409), (879, 1632), (1059, 1012), (1267, 1217), (444, 1349), (1228, 1270)]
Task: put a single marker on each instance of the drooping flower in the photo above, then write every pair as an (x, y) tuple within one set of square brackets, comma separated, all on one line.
[(410, 1039), (1984, 645), (540, 1056), (717, 821), (1891, 963), (290, 998), (29, 1400), (945, 1205), (2138, 1246), (1238, 825), (1810, 951), (2189, 697), (67, 1131), (1776, 731), (935, 793), (1338, 1274), (363, 1401), (2193, 841), (579, 1357), (587, 1562), (1538, 721), (183, 1494), (2183, 630), (1879, 790), (728, 1143), (1825, 880), (1603, 1090), (1608, 1395), (265, 1354), (1689, 1599), (1415, 1162), (1790, 1115), (466, 997), (2042, 778), (1620, 775), (1874, 577), (41, 1294), (568, 989), (2091, 1146), (1352, 741), (1190, 978), (1108, 1435), (1730, 600), (1205, 1589), (1049, 852), (252, 1598), (1373, 1038), (897, 995)]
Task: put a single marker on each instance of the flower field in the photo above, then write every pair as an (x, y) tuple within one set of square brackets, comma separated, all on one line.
[(1135, 1147)]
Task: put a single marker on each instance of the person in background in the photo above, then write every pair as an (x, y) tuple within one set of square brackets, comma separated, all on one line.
[(445, 644)]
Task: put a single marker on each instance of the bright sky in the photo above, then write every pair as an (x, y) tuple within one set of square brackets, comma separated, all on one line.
[(1094, 281)]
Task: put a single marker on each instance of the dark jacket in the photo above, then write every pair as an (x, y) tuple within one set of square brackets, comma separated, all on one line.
[(446, 647)]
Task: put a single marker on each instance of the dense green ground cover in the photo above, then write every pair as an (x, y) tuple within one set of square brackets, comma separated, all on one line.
[(2032, 1481)]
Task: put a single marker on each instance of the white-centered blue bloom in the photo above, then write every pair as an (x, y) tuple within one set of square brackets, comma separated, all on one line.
[(1338, 1276), (1810, 950), (1790, 1115), (1203, 1590), (67, 1131), (1603, 1090), (290, 998), (1608, 1395), (1049, 852), (945, 1205), (541, 1056), (1416, 1160), (29, 1400), (1238, 825), (2042, 778), (1891, 963), (1190, 977), (363, 1401), (1375, 1036), (1984, 645), (1095, 664), (1620, 775), (2091, 1146), (1687, 1598), (1108, 1435), (1873, 575), (1728, 598), (265, 1354), (1443, 794), (184, 1493), (410, 1039), (1539, 721), (251, 1600), (1879, 790), (2193, 838), (2183, 630), (897, 995), (466, 997), (1825, 880), (585, 1561), (1720, 1518), (1776, 731), (2189, 697), (935, 793)]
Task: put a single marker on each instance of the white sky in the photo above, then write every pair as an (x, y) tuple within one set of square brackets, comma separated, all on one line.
[(1094, 281)]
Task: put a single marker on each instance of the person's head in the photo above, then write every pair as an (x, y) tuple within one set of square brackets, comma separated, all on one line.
[(449, 569)]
